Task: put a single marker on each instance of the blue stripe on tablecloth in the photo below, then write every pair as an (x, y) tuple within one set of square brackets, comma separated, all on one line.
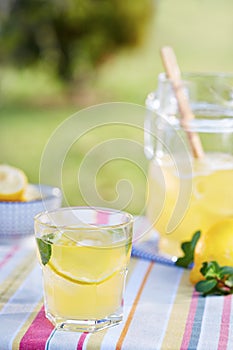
[(196, 327)]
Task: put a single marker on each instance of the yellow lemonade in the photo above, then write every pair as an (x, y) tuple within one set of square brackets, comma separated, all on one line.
[(85, 274), (210, 201)]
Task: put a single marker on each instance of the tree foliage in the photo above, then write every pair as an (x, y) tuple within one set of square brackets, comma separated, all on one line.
[(72, 36)]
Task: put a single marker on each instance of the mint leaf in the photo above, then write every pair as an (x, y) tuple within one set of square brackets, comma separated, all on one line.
[(188, 249), (210, 269), (206, 286), (45, 250), (218, 279), (229, 281), (226, 270)]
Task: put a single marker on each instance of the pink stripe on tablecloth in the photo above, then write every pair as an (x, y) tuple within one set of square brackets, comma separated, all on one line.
[(102, 217), (37, 334), (81, 341), (190, 320), (224, 331), (9, 255)]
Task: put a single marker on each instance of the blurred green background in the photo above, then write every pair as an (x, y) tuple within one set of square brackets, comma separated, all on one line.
[(60, 57)]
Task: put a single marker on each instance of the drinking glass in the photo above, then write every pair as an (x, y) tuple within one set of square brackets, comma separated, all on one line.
[(189, 194), (84, 253)]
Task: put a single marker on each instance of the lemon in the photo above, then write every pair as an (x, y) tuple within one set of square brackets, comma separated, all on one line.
[(82, 280), (31, 193), (216, 244), (79, 261), (13, 182)]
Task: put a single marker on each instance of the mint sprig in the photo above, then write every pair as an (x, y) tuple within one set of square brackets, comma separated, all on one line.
[(45, 248), (188, 249), (218, 279)]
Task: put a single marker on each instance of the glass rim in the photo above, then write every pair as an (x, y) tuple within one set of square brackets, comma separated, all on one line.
[(162, 77), (92, 227)]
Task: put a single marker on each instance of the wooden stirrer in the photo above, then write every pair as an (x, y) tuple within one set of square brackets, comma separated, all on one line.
[(173, 73)]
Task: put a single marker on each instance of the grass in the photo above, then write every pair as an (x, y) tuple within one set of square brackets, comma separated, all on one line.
[(23, 134), (34, 104), (25, 131)]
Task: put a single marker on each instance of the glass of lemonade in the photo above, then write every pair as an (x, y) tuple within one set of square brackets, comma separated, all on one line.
[(187, 194), (84, 253)]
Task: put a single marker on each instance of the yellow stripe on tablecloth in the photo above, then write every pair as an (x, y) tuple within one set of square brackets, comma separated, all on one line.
[(25, 326), (12, 282), (179, 314), (95, 340)]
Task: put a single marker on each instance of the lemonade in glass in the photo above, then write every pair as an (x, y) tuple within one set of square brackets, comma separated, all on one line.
[(84, 254), (196, 193)]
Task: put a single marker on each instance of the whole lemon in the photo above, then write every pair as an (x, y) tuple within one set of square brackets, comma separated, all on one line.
[(216, 244)]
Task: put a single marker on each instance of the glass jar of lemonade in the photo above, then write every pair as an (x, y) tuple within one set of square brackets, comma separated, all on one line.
[(187, 194)]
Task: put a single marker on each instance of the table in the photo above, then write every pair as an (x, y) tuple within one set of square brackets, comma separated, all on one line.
[(162, 310)]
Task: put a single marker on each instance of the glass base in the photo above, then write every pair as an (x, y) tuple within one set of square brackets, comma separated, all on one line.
[(89, 326)]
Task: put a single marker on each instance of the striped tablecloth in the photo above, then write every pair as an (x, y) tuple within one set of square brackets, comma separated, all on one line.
[(162, 310)]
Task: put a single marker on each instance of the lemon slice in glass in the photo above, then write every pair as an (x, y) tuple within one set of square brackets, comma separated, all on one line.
[(81, 261)]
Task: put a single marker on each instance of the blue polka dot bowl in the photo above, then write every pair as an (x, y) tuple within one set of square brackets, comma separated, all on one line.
[(17, 218)]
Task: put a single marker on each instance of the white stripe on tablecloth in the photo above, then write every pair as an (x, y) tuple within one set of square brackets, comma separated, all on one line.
[(14, 314), (211, 323), (69, 340), (111, 338), (153, 309), (86, 342)]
